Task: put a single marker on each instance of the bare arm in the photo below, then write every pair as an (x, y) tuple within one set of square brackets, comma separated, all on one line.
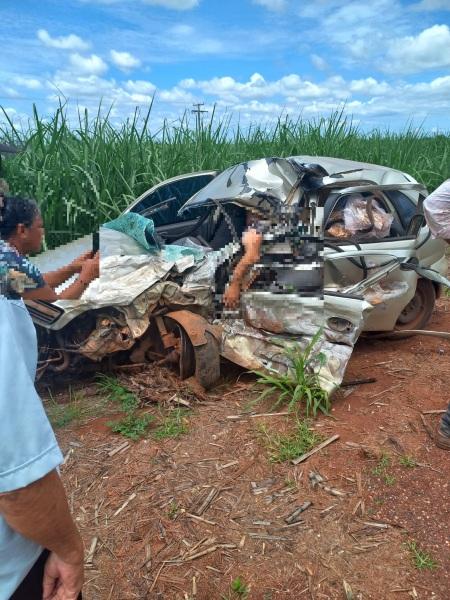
[(55, 278), (252, 241), (40, 513), (89, 272)]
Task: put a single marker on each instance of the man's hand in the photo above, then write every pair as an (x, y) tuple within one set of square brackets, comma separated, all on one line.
[(252, 240), (62, 580), (77, 264), (232, 295), (91, 268)]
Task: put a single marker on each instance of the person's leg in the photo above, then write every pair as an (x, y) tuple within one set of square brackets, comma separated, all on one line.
[(443, 435), (31, 586)]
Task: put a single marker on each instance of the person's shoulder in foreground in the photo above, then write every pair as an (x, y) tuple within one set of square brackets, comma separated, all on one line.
[(28, 448), (436, 208)]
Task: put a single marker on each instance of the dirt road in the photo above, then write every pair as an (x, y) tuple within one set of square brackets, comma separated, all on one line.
[(382, 532)]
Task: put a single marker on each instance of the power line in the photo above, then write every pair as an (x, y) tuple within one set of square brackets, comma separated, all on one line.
[(198, 112)]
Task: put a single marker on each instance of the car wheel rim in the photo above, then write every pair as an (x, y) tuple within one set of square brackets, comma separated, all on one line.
[(412, 310)]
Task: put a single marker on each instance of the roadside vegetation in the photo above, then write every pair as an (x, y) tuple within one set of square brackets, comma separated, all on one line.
[(282, 447), (86, 173), (420, 559), (299, 387)]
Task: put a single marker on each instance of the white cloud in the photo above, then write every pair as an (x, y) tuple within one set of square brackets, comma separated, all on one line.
[(124, 60), (274, 5), (187, 41), (319, 62), (140, 87), (82, 86), (173, 4), (176, 95), (182, 30), (28, 82), (428, 50), (68, 42), (431, 5), (369, 87), (354, 31), (88, 64)]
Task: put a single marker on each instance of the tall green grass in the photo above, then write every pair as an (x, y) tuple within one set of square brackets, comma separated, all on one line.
[(85, 173)]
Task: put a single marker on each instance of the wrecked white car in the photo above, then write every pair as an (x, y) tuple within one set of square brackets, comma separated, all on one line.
[(345, 250)]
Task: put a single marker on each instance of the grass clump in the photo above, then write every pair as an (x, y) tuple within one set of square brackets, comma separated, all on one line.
[(61, 415), (381, 470), (132, 426), (173, 511), (421, 559), (173, 425), (238, 589), (299, 386), (118, 393), (287, 446), (65, 413), (407, 461)]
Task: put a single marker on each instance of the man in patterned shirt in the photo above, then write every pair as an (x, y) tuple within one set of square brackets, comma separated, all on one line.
[(21, 233)]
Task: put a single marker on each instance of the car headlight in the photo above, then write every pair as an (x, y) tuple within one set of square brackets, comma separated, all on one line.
[(340, 325)]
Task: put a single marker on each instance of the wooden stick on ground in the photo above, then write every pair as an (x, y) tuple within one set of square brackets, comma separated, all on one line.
[(303, 457), (427, 427)]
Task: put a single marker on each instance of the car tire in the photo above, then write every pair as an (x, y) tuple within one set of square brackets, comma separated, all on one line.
[(419, 309)]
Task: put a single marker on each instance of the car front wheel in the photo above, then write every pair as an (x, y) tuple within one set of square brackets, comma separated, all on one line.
[(419, 309)]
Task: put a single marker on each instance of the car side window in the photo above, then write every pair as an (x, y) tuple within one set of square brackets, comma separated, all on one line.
[(175, 193), (403, 205), (359, 217)]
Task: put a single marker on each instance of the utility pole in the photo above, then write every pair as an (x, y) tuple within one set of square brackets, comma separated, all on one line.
[(198, 112)]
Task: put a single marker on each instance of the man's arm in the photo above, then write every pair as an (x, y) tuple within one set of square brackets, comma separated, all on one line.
[(56, 278), (40, 513), (252, 241), (89, 272)]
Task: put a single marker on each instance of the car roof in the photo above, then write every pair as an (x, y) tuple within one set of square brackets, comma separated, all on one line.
[(376, 173)]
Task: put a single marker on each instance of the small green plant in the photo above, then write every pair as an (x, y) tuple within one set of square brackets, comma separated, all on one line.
[(238, 589), (421, 560), (407, 461), (61, 415), (299, 384), (173, 510), (283, 447), (118, 393), (173, 425), (389, 479), (131, 426), (381, 470), (290, 483), (383, 464)]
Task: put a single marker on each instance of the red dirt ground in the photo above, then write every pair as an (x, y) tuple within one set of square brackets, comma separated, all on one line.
[(137, 503)]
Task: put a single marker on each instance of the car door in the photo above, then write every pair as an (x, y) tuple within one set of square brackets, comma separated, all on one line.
[(407, 239), (163, 201)]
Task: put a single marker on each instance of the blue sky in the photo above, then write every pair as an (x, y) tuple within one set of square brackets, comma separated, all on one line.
[(387, 60)]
